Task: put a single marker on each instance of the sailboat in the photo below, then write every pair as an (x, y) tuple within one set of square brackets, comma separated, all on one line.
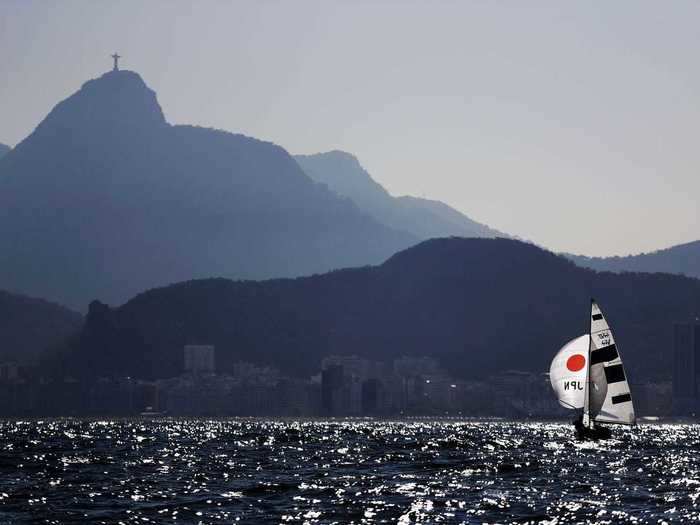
[(587, 374)]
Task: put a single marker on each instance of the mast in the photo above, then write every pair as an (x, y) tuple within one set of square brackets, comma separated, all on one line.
[(587, 422)]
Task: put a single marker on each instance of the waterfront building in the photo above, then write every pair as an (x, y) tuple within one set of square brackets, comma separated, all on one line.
[(199, 359), (416, 366), (332, 382), (686, 368), (9, 372), (349, 384)]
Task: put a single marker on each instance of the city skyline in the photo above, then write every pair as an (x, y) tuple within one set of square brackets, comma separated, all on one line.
[(331, 261), (568, 126)]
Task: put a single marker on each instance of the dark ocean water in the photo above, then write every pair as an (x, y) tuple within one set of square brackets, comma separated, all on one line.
[(260, 471)]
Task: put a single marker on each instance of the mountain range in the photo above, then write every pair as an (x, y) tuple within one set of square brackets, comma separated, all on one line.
[(480, 306), (105, 199), (683, 259), (29, 326), (4, 149), (422, 218)]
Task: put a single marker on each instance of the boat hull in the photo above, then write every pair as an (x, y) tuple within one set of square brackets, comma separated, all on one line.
[(584, 433)]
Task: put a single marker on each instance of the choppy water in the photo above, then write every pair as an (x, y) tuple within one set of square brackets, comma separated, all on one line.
[(255, 471)]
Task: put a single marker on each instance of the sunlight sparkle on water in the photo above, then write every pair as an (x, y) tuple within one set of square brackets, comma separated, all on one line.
[(354, 471)]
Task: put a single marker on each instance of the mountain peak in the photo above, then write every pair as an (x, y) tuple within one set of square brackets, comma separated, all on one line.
[(683, 259), (338, 153), (123, 78), (117, 102), (422, 218), (335, 154), (341, 171)]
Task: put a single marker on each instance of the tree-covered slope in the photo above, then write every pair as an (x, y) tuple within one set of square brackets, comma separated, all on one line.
[(29, 326), (478, 305)]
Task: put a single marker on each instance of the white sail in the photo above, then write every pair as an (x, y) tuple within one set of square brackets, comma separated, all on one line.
[(567, 373), (610, 399)]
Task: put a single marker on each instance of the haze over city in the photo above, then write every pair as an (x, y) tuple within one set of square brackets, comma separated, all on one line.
[(570, 125), (349, 262)]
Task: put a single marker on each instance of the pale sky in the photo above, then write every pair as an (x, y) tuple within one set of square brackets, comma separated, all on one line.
[(572, 124)]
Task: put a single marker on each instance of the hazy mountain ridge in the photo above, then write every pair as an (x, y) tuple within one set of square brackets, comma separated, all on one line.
[(4, 149), (28, 326), (119, 201), (682, 259), (423, 218), (478, 305)]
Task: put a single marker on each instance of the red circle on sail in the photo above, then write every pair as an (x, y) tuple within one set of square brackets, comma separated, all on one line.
[(576, 362)]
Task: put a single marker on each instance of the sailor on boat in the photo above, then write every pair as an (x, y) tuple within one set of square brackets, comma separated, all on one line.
[(587, 374)]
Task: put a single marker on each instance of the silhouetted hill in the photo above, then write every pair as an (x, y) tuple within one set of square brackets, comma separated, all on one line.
[(479, 305), (4, 149), (29, 326), (422, 218), (105, 199), (683, 259)]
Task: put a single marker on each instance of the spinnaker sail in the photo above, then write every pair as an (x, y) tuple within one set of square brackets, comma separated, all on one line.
[(567, 373)]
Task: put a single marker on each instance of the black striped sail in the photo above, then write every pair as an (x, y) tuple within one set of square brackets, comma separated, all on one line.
[(610, 397)]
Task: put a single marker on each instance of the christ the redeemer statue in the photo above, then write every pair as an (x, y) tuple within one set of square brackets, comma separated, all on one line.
[(116, 58)]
